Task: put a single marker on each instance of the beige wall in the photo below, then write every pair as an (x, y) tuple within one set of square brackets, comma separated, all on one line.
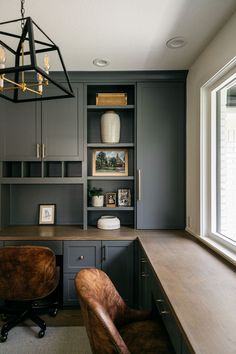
[(216, 55)]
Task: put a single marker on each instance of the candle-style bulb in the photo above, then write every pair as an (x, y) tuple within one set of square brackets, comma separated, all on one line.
[(2, 57), (46, 63), (2, 65), (40, 83)]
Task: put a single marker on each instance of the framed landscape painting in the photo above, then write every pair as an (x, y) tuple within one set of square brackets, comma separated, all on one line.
[(110, 162)]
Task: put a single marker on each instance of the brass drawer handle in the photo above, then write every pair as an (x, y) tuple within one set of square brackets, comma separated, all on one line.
[(164, 312), (144, 275), (81, 258), (160, 300)]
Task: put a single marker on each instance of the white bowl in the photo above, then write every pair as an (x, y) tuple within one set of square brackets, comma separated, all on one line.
[(108, 222)]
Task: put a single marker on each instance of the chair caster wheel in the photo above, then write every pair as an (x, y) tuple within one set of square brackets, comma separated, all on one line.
[(3, 337), (53, 312), (41, 333)]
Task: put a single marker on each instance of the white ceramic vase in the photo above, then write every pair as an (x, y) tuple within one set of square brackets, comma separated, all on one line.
[(97, 201), (110, 127)]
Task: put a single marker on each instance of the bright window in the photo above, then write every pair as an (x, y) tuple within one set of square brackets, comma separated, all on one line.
[(218, 162), (226, 161)]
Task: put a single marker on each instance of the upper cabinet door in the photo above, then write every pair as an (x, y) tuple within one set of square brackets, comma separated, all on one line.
[(161, 155), (62, 127), (20, 131)]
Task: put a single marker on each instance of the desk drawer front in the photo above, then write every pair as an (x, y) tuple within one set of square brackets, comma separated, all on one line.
[(56, 246), (70, 297), (81, 254), (166, 314)]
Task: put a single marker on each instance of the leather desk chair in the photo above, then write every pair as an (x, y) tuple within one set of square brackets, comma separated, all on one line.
[(27, 274), (113, 327)]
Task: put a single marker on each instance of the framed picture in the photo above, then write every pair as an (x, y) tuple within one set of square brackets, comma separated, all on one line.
[(47, 214), (110, 162), (124, 197), (111, 200)]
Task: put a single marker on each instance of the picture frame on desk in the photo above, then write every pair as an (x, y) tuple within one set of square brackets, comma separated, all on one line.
[(110, 162), (47, 214), (110, 200), (124, 197)]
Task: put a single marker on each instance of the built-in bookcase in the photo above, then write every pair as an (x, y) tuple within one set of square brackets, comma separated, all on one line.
[(127, 114)]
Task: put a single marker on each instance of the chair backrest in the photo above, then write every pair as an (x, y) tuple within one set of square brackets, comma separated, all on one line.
[(27, 272), (102, 309)]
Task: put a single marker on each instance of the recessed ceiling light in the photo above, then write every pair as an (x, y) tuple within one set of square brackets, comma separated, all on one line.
[(101, 62), (176, 42)]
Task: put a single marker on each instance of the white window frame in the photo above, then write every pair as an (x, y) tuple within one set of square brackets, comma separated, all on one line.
[(208, 233)]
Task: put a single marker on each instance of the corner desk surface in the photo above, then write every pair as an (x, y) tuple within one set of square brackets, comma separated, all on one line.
[(200, 287)]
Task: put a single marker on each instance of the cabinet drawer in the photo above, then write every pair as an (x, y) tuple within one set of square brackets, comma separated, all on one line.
[(56, 246), (81, 254), (167, 316), (70, 297)]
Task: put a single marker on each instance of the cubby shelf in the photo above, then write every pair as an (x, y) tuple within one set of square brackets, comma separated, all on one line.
[(110, 209), (103, 145), (94, 107), (110, 178)]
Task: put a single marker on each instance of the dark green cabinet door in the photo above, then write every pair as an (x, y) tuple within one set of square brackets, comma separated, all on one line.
[(161, 155), (78, 255), (20, 131), (144, 285), (118, 263), (62, 127)]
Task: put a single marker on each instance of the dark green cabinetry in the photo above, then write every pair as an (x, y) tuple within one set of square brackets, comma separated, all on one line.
[(52, 130), (20, 131), (49, 145), (161, 155), (116, 258), (152, 297), (144, 280), (62, 129), (78, 255)]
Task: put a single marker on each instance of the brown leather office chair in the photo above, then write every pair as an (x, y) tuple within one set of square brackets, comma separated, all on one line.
[(27, 275), (112, 326)]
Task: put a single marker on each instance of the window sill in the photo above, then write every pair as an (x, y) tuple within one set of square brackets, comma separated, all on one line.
[(223, 251)]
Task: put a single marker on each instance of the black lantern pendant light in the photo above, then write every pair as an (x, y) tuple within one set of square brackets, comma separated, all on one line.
[(25, 66)]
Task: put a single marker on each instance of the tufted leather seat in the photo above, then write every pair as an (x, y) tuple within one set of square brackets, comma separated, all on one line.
[(27, 274), (111, 325)]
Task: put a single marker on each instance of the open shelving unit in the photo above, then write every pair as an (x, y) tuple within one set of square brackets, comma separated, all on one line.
[(108, 184)]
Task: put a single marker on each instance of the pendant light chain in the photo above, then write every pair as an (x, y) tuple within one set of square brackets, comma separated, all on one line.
[(22, 13)]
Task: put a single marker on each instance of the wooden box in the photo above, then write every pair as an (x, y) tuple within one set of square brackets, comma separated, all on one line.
[(111, 99)]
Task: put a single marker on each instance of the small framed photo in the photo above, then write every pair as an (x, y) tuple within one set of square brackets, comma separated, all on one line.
[(110, 162), (47, 214), (124, 197), (111, 200)]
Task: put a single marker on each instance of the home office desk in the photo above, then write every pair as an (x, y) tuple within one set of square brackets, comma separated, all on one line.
[(198, 288)]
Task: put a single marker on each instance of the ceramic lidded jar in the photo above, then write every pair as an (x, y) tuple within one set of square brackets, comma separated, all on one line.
[(110, 127)]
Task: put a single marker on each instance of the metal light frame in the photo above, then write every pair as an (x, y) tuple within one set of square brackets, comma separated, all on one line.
[(28, 35)]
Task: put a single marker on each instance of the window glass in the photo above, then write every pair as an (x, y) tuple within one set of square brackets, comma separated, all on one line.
[(226, 161)]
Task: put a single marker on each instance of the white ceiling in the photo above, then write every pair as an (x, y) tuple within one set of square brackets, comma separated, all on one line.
[(130, 33)]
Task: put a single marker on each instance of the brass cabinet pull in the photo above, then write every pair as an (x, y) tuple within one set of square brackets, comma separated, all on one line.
[(38, 151), (144, 274), (139, 186), (43, 151)]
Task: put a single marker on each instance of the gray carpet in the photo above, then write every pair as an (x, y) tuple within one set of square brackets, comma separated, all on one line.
[(57, 340)]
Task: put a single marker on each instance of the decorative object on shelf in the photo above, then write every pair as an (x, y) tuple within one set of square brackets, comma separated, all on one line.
[(110, 162), (111, 99), (97, 198), (111, 200), (124, 197), (110, 127), (27, 74), (47, 214), (108, 222)]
